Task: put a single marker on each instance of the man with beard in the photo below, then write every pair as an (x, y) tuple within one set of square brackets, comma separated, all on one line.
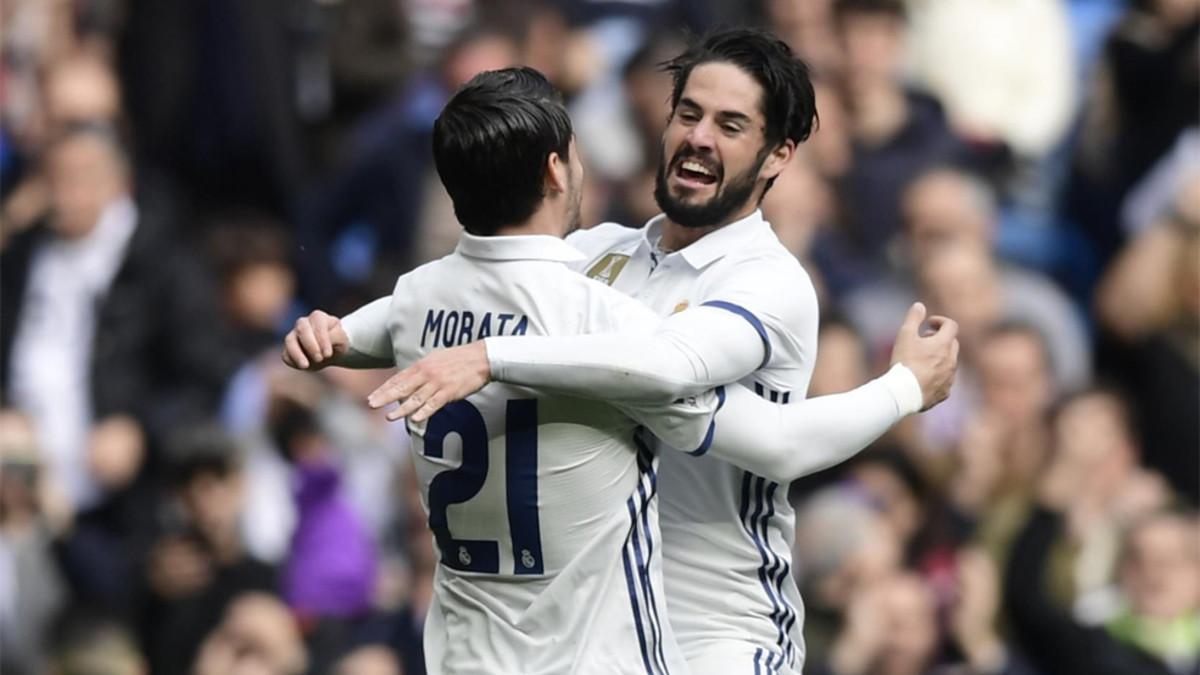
[(741, 103)]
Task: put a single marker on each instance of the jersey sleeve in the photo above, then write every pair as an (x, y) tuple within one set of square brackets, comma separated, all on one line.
[(688, 422), (684, 355), (370, 341), (774, 296), (785, 442)]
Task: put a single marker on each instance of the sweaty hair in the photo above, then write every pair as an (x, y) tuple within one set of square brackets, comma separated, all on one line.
[(788, 102), (490, 146)]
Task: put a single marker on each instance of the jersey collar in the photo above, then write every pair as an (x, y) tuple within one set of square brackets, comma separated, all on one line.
[(713, 245), (519, 247)]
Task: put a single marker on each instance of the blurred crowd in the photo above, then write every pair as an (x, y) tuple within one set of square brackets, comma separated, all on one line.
[(181, 179)]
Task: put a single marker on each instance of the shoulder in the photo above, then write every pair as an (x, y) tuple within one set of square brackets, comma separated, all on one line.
[(603, 238), (764, 269)]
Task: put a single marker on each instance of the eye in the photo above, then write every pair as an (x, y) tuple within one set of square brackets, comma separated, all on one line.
[(689, 116), (731, 129)]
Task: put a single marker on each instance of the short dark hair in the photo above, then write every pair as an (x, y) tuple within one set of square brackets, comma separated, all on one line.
[(788, 104), (199, 449), (491, 142)]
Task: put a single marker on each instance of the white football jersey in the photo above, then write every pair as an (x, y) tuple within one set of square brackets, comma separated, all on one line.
[(727, 533), (543, 507)]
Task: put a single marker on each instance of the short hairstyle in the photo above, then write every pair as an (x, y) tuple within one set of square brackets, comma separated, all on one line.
[(490, 145), (1025, 329), (789, 104), (198, 449)]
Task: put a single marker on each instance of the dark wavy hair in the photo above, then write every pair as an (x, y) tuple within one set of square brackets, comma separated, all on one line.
[(490, 145), (788, 103)]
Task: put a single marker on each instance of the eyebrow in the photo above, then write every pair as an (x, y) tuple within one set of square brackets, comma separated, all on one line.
[(723, 115)]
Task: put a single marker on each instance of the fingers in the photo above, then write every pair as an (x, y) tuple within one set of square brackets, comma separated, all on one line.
[(293, 354), (944, 328), (324, 342), (307, 336), (914, 318), (396, 387), (420, 406)]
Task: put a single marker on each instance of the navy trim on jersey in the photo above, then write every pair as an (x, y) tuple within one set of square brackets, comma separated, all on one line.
[(780, 572), (771, 564), (645, 458), (638, 575), (772, 395), (712, 426), (748, 316), (633, 602)]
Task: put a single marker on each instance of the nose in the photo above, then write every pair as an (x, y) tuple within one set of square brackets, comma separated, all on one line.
[(701, 136)]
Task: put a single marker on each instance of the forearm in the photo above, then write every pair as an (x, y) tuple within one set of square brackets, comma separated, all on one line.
[(370, 342), (686, 356), (785, 442)]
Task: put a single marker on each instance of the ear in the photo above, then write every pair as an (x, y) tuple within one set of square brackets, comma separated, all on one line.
[(778, 160), (556, 174)]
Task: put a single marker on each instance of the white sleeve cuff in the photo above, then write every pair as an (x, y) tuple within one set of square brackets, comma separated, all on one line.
[(904, 388)]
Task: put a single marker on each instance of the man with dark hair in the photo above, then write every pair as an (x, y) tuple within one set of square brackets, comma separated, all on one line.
[(741, 103), (548, 563)]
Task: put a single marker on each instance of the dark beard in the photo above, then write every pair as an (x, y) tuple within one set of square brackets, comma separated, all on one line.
[(729, 198)]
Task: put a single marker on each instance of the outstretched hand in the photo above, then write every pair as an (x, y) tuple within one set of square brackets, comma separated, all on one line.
[(435, 381), (933, 357)]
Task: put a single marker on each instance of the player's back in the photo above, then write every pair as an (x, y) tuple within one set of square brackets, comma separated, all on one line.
[(542, 506)]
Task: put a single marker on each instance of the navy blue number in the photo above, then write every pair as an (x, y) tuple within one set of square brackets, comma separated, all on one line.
[(460, 485)]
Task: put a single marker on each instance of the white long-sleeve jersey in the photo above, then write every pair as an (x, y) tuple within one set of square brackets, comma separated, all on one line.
[(751, 316), (683, 355), (543, 506)]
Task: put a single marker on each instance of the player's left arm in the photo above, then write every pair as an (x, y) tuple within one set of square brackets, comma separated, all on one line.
[(785, 442)]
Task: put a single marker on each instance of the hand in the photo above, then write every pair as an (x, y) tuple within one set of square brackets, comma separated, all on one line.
[(440, 378), (932, 358), (315, 341), (973, 616)]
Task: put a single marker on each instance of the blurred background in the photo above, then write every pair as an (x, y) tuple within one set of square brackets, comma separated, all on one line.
[(181, 179)]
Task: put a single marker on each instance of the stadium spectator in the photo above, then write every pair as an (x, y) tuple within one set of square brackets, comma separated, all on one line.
[(846, 546), (257, 635), (251, 255), (330, 571), (947, 208), (896, 133), (100, 553), (1149, 307), (1155, 631), (198, 566), (107, 316)]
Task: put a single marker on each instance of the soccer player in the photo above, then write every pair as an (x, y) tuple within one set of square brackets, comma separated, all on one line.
[(742, 310), (542, 507)]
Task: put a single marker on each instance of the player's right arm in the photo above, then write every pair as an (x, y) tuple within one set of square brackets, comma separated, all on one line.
[(358, 340)]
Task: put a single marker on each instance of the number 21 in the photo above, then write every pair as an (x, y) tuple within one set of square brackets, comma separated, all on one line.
[(459, 485)]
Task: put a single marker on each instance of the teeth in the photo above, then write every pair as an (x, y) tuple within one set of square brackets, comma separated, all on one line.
[(697, 168)]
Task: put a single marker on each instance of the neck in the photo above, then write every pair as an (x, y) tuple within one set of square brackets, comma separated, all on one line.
[(676, 236), (543, 221)]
